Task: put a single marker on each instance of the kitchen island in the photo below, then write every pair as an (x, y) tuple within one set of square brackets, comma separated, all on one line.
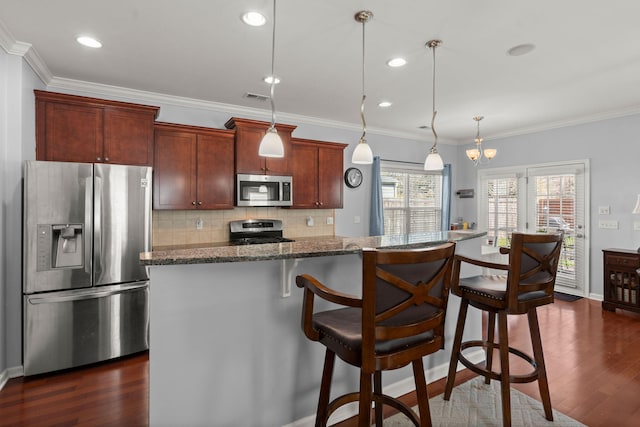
[(226, 347)]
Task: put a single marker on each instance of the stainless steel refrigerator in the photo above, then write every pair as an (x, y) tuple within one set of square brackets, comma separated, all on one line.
[(85, 293)]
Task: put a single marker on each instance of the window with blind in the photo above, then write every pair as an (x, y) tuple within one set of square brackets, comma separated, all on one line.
[(412, 200), (501, 204)]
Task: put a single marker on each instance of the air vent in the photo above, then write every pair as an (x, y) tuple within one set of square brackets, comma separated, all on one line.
[(256, 96)]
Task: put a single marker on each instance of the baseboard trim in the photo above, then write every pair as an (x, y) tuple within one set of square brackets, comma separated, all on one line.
[(396, 389), (7, 374)]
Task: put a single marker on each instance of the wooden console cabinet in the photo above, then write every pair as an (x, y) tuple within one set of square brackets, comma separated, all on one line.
[(193, 168), (621, 279), (317, 174), (73, 128), (249, 133)]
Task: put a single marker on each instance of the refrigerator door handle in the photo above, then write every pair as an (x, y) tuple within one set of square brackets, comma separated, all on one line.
[(88, 219), (97, 228), (86, 294)]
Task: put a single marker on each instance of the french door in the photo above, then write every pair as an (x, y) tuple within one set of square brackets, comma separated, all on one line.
[(556, 197), (538, 199)]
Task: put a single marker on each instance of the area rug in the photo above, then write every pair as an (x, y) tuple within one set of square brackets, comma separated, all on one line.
[(566, 297), (476, 404)]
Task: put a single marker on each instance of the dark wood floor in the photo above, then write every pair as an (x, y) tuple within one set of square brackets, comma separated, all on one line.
[(593, 363)]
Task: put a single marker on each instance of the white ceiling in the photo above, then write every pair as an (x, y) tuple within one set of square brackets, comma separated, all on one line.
[(586, 65)]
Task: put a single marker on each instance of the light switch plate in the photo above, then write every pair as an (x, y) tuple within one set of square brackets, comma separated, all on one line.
[(604, 210), (608, 224), (636, 226)]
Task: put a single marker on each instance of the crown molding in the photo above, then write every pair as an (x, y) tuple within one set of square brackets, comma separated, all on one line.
[(598, 117), (135, 95), (25, 50)]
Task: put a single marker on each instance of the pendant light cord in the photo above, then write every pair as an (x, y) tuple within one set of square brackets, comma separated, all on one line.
[(273, 60), (364, 123), (433, 117)]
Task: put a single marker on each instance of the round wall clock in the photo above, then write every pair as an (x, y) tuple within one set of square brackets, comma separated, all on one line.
[(353, 177)]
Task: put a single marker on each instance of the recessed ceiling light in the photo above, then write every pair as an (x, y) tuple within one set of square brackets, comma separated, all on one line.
[(521, 49), (396, 62), (384, 104), (268, 80), (254, 19), (88, 41)]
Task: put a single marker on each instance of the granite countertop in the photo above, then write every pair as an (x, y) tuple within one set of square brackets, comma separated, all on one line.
[(306, 247)]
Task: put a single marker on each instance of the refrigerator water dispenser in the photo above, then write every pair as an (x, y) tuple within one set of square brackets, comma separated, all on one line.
[(60, 246)]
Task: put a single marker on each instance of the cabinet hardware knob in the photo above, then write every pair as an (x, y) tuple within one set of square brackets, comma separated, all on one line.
[(106, 159), (199, 203), (98, 158), (193, 203)]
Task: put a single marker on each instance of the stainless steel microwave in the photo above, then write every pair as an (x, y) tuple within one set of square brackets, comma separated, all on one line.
[(263, 190)]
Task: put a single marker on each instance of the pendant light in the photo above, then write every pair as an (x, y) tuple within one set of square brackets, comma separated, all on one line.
[(434, 162), (476, 155), (271, 144), (363, 154)]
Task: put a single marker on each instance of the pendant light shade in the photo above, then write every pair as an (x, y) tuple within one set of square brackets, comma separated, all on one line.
[(271, 144), (434, 162), (363, 154)]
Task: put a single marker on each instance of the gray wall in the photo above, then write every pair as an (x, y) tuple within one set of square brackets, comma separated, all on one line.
[(17, 143), (610, 144)]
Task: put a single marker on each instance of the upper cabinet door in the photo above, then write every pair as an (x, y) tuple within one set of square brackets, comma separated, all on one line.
[(249, 133), (128, 137), (174, 174), (305, 175), (330, 184), (216, 183), (69, 133)]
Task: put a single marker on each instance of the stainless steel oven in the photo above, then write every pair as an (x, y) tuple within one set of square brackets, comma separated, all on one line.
[(263, 190)]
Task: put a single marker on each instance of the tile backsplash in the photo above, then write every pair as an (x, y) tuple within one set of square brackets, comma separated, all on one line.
[(180, 227)]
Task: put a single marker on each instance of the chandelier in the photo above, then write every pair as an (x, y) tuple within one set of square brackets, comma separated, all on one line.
[(478, 155)]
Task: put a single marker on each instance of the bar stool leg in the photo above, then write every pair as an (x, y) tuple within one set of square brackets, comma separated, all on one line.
[(422, 393), (536, 343), (366, 394), (325, 389), (505, 386), (455, 351), (491, 328), (377, 390)]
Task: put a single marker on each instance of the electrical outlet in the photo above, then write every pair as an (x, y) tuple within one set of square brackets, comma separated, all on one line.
[(356, 219), (609, 224), (604, 210), (199, 224), (636, 226), (309, 221), (329, 220)]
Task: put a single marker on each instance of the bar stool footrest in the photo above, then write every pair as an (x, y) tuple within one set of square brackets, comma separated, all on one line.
[(478, 369)]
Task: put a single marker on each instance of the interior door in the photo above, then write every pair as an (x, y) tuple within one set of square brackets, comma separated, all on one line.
[(557, 200)]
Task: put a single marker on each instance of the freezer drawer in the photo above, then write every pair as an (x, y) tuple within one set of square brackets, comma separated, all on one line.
[(73, 328)]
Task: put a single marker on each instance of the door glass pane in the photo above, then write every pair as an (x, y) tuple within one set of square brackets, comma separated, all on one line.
[(555, 202)]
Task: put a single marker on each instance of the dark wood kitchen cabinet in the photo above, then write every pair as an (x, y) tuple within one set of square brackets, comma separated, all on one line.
[(73, 128), (317, 174), (621, 279), (249, 133), (193, 168)]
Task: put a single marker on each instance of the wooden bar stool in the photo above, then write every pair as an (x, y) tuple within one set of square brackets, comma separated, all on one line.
[(529, 282), (398, 320)]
